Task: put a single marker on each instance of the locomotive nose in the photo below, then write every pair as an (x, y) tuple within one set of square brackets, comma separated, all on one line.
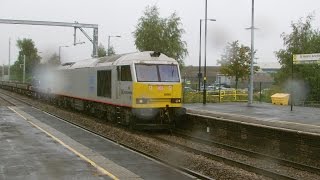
[(145, 113)]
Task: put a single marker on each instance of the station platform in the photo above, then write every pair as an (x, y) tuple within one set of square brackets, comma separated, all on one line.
[(27, 153), (304, 119), (35, 145)]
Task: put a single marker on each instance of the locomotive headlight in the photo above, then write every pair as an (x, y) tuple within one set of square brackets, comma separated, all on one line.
[(141, 101), (175, 100)]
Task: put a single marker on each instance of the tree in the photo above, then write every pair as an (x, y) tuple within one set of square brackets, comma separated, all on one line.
[(54, 60), (26, 48), (1, 71), (302, 40), (111, 51), (236, 61), (101, 51), (154, 33)]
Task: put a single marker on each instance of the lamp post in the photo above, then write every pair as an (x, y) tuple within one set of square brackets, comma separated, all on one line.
[(199, 74), (82, 42), (205, 57), (109, 43), (60, 52), (24, 69), (9, 59), (250, 98), (2, 72)]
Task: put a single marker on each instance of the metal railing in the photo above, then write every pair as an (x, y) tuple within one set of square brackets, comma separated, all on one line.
[(216, 96)]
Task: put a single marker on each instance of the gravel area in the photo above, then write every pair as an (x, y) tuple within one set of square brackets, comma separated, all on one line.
[(140, 141), (261, 163), (3, 102), (163, 151)]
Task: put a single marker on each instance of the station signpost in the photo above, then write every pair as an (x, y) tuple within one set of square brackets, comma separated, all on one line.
[(306, 58), (302, 59)]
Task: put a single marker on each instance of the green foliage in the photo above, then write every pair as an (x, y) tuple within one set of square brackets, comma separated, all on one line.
[(101, 51), (267, 93), (1, 71), (26, 48), (154, 33), (236, 61), (54, 60), (302, 40), (111, 51)]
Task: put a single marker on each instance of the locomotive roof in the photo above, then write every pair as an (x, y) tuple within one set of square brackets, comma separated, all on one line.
[(123, 59)]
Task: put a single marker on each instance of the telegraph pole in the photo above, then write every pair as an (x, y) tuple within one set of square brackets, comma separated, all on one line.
[(24, 68)]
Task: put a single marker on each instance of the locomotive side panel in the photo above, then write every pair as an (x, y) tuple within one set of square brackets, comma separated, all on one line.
[(91, 80), (87, 84), (123, 83), (78, 83)]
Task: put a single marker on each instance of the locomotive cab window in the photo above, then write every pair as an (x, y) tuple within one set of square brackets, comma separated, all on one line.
[(104, 83), (124, 73), (157, 73)]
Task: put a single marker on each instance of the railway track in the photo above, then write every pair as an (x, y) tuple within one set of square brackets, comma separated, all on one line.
[(15, 101), (229, 161), (265, 171), (295, 165), (4, 102)]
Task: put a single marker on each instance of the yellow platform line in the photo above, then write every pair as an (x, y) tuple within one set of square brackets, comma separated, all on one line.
[(104, 171)]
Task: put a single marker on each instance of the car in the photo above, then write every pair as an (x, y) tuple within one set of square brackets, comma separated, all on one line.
[(188, 89), (208, 88)]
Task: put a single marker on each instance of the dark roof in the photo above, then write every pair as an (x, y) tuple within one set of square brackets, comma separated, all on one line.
[(192, 71), (213, 71)]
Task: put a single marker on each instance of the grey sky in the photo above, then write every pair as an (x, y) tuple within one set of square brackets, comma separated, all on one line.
[(119, 17)]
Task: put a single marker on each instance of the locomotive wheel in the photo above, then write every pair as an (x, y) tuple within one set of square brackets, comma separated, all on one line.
[(173, 124), (98, 113), (132, 123)]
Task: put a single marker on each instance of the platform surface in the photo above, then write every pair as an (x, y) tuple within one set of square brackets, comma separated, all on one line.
[(28, 153), (300, 118), (36, 145)]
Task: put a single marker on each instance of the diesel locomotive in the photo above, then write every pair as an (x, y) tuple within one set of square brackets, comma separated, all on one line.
[(142, 90)]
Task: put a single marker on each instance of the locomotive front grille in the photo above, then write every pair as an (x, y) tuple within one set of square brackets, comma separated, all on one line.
[(157, 100)]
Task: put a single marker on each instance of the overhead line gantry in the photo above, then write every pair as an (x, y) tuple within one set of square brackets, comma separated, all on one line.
[(75, 25)]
